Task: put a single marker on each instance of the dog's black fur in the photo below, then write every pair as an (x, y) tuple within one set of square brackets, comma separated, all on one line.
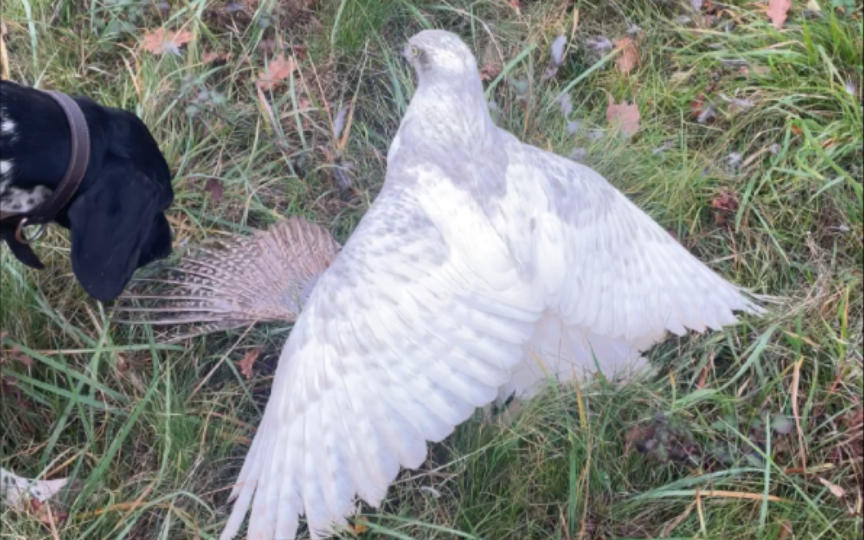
[(116, 217)]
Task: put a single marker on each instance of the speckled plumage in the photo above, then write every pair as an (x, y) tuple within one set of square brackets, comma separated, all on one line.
[(233, 282), (481, 259)]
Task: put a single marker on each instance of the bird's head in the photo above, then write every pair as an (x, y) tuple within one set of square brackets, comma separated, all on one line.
[(440, 55)]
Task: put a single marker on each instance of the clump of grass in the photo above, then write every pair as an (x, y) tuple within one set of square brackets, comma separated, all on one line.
[(705, 449)]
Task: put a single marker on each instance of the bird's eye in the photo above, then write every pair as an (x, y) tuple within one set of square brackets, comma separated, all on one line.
[(415, 51)]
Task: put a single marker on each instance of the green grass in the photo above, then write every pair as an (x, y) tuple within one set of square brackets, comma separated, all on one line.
[(157, 433)]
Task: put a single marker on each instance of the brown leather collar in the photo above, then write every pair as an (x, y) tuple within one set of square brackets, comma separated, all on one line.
[(13, 223)]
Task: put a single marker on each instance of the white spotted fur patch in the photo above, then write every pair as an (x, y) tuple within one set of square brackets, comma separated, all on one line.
[(7, 126), (13, 199)]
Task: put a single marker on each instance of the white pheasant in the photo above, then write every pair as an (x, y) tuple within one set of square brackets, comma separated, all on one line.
[(483, 265)]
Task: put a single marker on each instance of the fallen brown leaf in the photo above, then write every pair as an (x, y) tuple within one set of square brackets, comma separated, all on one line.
[(47, 516), (703, 378), (246, 363), (279, 69), (629, 56), (16, 354), (9, 387), (360, 526), (854, 424), (625, 116), (215, 57), (785, 531), (214, 188), (267, 45), (489, 71), (835, 490), (159, 41), (724, 205), (778, 11)]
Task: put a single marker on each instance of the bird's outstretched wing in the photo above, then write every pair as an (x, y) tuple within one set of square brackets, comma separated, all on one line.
[(613, 277), (415, 324)]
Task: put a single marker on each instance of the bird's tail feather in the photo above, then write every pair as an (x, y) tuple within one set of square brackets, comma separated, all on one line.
[(232, 283)]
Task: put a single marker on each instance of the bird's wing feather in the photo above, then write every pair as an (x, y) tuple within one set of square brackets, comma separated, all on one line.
[(414, 325), (612, 270), (613, 282)]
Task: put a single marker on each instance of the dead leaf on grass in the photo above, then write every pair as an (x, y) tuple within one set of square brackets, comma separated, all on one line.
[(785, 531), (835, 490), (267, 45), (778, 11), (629, 57), (215, 58), (360, 526), (489, 71), (17, 355), (246, 363), (9, 388), (624, 115), (160, 42), (703, 375), (214, 188), (279, 69), (724, 205)]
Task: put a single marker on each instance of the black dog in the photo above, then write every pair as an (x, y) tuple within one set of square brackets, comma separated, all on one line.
[(116, 215)]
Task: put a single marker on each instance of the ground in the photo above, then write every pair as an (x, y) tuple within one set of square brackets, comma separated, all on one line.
[(749, 151)]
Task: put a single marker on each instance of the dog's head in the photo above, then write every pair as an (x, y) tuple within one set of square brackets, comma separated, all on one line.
[(116, 217)]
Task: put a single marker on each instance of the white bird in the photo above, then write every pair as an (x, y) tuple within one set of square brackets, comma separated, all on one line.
[(483, 266)]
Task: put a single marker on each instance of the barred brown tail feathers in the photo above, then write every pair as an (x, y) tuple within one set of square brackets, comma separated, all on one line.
[(232, 283)]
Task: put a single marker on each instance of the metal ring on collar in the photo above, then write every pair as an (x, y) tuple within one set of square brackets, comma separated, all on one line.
[(23, 238)]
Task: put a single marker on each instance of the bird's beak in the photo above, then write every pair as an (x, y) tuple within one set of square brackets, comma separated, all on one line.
[(405, 52)]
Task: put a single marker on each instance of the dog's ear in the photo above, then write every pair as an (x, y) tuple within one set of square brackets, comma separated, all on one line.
[(117, 226)]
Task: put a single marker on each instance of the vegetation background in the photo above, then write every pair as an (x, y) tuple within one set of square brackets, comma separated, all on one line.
[(748, 149)]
